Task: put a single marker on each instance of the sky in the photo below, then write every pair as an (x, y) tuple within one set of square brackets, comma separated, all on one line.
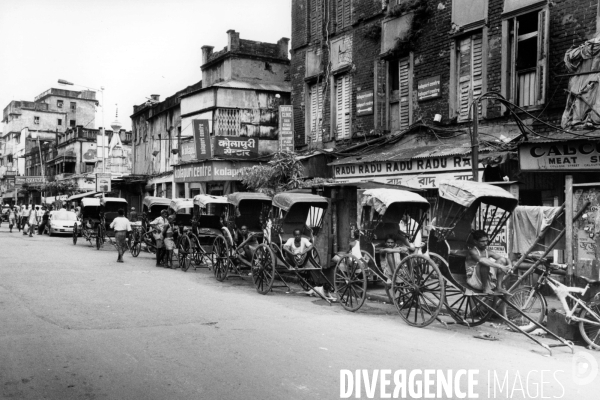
[(132, 48)]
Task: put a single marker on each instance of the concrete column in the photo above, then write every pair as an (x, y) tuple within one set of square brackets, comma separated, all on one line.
[(187, 190)]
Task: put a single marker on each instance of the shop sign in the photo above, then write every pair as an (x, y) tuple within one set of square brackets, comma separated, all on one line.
[(417, 181), (30, 180), (286, 128), (563, 156), (103, 182), (210, 171), (500, 244), (202, 139), (429, 88), (364, 103), (187, 151), (236, 147), (10, 173)]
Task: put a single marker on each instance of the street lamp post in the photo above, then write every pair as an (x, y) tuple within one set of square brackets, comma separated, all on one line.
[(101, 90)]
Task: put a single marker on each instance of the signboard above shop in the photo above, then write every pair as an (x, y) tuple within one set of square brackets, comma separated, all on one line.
[(30, 180), (286, 128), (187, 151), (563, 156), (364, 103), (236, 147), (103, 182), (210, 171), (202, 139), (429, 88)]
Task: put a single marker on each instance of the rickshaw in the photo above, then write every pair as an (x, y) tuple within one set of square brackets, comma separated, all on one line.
[(245, 209), (383, 212), (209, 214), (182, 230), (151, 209), (107, 214), (89, 218), (420, 292), (290, 211)]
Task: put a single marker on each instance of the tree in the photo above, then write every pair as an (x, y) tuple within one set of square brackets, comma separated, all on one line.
[(283, 172)]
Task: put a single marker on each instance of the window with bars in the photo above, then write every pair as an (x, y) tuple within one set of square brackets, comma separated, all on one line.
[(315, 114), (343, 14), (400, 82), (227, 122), (524, 58), (469, 73), (343, 106)]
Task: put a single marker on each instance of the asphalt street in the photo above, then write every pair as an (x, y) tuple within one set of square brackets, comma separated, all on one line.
[(74, 324)]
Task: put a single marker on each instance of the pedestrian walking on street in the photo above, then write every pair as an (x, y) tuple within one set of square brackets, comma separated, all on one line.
[(25, 218), (122, 227), (133, 215), (32, 221), (44, 223), (169, 241), (12, 218), (19, 210), (158, 225)]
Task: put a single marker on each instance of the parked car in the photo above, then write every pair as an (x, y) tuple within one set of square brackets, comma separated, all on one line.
[(62, 222)]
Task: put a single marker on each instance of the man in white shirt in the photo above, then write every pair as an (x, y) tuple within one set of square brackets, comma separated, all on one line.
[(25, 213), (121, 226), (296, 248)]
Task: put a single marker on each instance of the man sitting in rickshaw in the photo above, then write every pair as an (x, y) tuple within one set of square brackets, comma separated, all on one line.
[(251, 244), (296, 248), (484, 267), (391, 255)]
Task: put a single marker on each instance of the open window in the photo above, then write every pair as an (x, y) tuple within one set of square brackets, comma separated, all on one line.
[(343, 106), (467, 74), (525, 58), (400, 92)]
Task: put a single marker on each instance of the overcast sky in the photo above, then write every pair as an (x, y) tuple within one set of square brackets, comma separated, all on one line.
[(133, 48)]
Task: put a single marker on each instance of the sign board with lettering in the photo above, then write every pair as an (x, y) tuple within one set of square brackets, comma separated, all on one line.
[(364, 103), (187, 151), (103, 182), (30, 180), (286, 128), (429, 88), (563, 156), (210, 171), (202, 139), (236, 147), (417, 181)]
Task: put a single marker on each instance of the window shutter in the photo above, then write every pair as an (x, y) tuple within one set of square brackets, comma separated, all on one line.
[(542, 57), (403, 67), (316, 112), (470, 74), (477, 69), (343, 103), (316, 19), (380, 93), (343, 15)]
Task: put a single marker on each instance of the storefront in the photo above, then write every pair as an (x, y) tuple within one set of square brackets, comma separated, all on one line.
[(216, 177)]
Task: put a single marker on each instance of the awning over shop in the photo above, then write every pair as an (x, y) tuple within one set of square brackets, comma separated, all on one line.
[(9, 195)]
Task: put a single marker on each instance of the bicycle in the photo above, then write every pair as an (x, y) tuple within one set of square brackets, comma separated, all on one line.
[(531, 302)]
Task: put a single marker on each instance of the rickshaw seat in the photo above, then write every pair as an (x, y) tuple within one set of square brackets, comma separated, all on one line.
[(385, 229), (210, 221), (183, 219), (251, 221), (457, 259)]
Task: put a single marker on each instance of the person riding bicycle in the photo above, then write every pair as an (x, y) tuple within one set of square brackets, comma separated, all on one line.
[(484, 267)]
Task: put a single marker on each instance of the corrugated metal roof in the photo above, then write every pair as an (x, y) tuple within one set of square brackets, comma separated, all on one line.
[(563, 136)]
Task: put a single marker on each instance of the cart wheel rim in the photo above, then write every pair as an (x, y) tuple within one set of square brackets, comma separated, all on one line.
[(263, 269), (350, 283), (221, 259), (418, 290)]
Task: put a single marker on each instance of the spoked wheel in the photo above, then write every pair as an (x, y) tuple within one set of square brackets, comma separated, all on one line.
[(197, 251), (220, 258), (590, 332), (263, 269), (75, 234), (184, 253), (135, 248), (530, 302), (350, 282), (418, 290), (465, 309)]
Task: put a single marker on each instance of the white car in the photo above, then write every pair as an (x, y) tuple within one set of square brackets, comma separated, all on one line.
[(62, 222)]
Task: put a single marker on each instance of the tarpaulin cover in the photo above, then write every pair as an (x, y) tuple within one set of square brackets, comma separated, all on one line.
[(181, 204), (237, 197), (466, 193), (286, 200), (528, 222), (583, 102), (202, 200), (381, 199), (150, 201)]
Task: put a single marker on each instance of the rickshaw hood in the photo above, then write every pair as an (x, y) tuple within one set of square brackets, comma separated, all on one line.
[(381, 199), (178, 204), (202, 200), (150, 201), (466, 193), (286, 200), (237, 197)]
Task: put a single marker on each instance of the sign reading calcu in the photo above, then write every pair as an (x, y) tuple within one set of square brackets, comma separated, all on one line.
[(564, 156)]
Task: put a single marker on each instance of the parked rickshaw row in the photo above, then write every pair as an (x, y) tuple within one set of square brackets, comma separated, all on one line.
[(268, 240)]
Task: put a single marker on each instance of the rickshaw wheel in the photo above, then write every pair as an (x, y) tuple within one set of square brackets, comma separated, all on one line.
[(418, 290), (184, 253), (220, 258), (75, 234), (136, 247), (350, 282), (197, 255), (263, 269), (466, 310)]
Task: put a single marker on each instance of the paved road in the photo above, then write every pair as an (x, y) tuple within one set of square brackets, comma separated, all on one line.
[(77, 325)]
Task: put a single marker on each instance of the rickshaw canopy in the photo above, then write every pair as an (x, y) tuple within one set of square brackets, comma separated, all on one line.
[(113, 200), (466, 193), (90, 202), (202, 200), (237, 197), (382, 199), (180, 204), (153, 201), (285, 201)]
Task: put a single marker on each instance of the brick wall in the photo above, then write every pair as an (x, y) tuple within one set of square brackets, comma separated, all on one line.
[(571, 23)]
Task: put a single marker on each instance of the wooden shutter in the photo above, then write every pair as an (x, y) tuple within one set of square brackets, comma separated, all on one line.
[(316, 19), (343, 89), (404, 70), (343, 15), (470, 74), (316, 112), (542, 56), (380, 72)]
